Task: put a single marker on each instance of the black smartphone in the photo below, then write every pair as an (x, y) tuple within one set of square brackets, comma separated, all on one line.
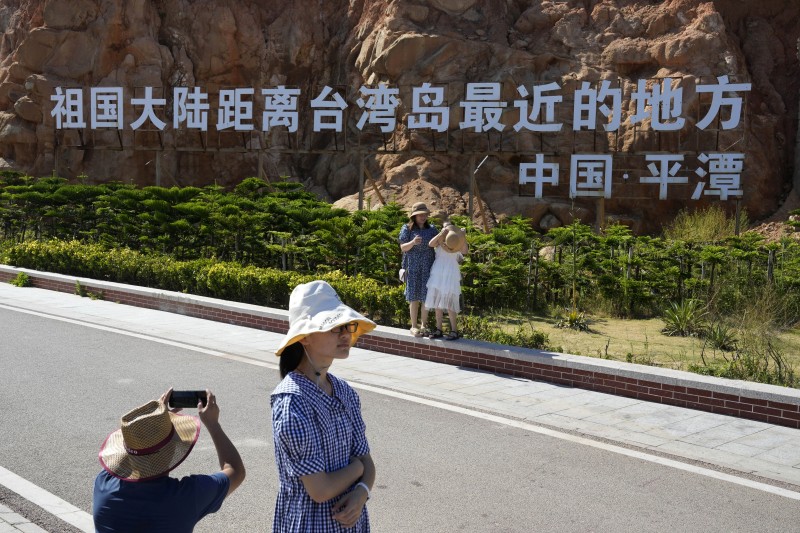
[(187, 398)]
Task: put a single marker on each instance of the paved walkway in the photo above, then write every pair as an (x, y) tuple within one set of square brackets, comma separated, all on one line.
[(756, 450), (11, 522)]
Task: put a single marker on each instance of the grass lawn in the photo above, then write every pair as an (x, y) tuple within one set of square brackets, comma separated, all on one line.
[(637, 341)]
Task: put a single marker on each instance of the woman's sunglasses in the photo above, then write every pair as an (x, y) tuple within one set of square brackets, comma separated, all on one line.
[(350, 328)]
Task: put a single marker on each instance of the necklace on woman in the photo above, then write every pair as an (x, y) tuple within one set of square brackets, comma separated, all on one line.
[(317, 373)]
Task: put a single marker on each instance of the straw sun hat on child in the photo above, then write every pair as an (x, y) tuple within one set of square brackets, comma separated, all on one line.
[(455, 239), (151, 441), (315, 307)]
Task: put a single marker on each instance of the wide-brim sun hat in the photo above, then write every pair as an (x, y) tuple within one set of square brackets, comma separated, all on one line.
[(419, 208), (315, 307), (150, 442), (454, 240)]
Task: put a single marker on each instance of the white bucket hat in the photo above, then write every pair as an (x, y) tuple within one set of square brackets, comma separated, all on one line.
[(315, 307)]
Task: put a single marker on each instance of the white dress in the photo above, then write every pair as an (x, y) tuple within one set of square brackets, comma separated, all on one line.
[(444, 283)]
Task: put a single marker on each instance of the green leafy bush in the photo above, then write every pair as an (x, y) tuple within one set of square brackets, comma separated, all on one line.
[(21, 280), (80, 290), (721, 337), (573, 319), (712, 224), (756, 358), (485, 329), (685, 318)]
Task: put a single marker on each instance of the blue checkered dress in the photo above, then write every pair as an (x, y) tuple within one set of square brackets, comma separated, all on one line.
[(313, 432)]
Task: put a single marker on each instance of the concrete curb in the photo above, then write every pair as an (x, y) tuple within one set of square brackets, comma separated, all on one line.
[(757, 401)]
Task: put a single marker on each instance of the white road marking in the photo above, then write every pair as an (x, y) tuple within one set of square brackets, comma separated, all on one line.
[(142, 336), (587, 442), (461, 410), (47, 501)]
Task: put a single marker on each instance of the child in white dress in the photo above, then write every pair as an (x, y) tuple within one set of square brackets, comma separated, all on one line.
[(444, 283)]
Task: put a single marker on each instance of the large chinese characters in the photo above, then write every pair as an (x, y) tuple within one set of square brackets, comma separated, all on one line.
[(717, 175), (537, 109)]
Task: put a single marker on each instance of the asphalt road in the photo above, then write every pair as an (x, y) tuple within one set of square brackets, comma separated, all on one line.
[(63, 388)]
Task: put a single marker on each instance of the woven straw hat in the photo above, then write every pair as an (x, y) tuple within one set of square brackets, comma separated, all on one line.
[(150, 442), (419, 208), (454, 240), (315, 307)]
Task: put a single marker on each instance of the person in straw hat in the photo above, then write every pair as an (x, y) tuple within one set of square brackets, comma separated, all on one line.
[(444, 283), (417, 262), (134, 492), (322, 455)]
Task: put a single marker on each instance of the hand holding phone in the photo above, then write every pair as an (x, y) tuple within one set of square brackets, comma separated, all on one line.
[(187, 398)]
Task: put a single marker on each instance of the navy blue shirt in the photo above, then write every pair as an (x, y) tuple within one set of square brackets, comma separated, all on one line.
[(163, 504)]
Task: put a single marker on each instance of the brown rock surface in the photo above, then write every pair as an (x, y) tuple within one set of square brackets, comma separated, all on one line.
[(309, 44)]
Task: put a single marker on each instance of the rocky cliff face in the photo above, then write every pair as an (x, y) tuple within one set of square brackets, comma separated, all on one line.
[(346, 44)]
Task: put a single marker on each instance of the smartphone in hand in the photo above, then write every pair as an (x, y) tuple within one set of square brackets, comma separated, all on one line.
[(187, 398)]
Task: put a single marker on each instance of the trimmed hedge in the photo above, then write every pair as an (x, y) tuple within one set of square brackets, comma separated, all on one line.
[(206, 277)]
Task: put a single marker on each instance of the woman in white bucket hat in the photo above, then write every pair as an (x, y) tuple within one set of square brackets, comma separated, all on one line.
[(324, 465)]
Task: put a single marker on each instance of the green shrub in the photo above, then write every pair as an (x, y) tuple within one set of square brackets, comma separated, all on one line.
[(756, 358), (706, 225), (207, 277), (484, 329), (22, 280), (80, 290), (720, 337), (684, 318), (573, 319)]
